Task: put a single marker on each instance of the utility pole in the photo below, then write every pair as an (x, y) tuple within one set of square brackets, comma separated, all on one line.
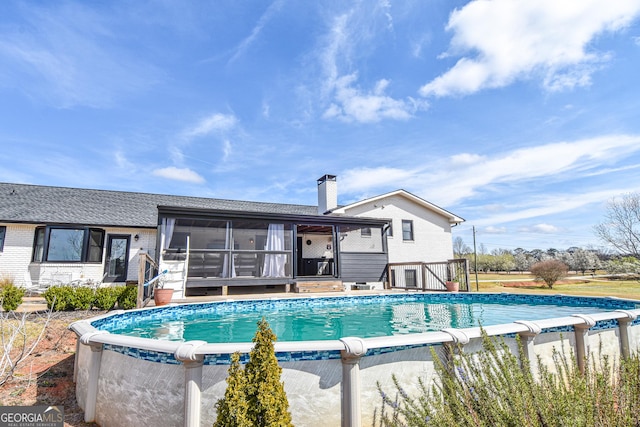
[(475, 258)]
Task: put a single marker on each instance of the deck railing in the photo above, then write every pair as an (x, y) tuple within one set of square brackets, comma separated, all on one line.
[(428, 276), (147, 270)]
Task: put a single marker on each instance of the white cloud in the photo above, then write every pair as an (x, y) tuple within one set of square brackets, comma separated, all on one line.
[(521, 39), (350, 104), (215, 122), (544, 162), (541, 228), (468, 174), (348, 34), (179, 174), (226, 149), (257, 29), (494, 230)]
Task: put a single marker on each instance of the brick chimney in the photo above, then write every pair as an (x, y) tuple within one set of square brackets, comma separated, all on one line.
[(327, 194)]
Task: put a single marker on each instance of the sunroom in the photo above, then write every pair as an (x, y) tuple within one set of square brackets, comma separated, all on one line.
[(208, 252)]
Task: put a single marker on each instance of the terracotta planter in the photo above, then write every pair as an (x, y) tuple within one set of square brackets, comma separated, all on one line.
[(452, 286), (162, 296)]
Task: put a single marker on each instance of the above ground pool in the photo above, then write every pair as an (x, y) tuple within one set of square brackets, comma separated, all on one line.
[(169, 365), (332, 318)]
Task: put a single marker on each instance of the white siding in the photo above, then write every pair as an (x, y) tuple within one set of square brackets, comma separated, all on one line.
[(431, 231), (16, 255), (15, 259)]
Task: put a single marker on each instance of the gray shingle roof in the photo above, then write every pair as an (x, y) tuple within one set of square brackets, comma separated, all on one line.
[(61, 205)]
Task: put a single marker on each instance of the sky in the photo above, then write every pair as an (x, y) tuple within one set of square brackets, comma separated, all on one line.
[(523, 117)]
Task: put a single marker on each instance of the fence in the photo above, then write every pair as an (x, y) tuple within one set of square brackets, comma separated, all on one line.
[(147, 270), (429, 276)]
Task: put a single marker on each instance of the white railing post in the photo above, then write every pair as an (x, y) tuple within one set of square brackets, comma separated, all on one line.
[(94, 375), (193, 363), (581, 333), (623, 328), (355, 348), (526, 339)]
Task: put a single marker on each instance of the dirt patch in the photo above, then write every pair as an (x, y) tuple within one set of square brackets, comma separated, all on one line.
[(45, 377)]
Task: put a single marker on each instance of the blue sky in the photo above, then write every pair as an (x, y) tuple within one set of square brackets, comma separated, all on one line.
[(523, 117)]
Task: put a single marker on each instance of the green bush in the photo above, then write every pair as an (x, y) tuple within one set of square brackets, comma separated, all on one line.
[(82, 298), (495, 387), (59, 298), (11, 296), (233, 409), (255, 396), (127, 298), (106, 298)]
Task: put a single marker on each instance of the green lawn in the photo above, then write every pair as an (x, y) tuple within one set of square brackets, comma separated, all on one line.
[(591, 287)]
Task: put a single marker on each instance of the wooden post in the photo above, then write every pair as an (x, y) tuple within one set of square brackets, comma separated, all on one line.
[(142, 262)]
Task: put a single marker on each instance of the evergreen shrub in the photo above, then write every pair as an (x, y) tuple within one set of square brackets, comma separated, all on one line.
[(59, 298), (106, 298), (127, 297), (82, 298), (255, 396), (11, 296)]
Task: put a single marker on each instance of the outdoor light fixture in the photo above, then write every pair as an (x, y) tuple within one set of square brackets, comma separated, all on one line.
[(136, 237)]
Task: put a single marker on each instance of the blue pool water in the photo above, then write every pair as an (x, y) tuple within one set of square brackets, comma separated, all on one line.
[(331, 318)]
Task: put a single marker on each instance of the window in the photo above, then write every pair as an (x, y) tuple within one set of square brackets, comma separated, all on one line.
[(407, 230), (59, 244), (365, 231), (3, 233), (410, 278)]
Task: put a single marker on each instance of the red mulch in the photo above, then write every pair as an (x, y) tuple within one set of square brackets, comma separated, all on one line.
[(46, 376), (540, 284)]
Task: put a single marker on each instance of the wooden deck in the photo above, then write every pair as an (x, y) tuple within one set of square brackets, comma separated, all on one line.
[(319, 286)]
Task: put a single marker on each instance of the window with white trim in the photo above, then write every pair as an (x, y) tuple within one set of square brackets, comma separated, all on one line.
[(407, 230)]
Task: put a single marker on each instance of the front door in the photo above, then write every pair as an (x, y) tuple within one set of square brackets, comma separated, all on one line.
[(117, 258)]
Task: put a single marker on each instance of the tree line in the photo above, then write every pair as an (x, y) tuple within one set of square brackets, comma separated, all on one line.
[(619, 230), (521, 260)]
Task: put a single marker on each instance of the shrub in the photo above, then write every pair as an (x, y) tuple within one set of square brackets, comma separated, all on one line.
[(127, 297), (494, 387), (59, 298), (82, 298), (550, 271), (232, 410), (106, 298), (11, 296), (255, 397)]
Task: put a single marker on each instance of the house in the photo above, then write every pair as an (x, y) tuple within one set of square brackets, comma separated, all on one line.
[(57, 234)]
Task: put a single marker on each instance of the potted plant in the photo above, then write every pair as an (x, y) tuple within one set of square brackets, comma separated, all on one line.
[(162, 295), (453, 285)]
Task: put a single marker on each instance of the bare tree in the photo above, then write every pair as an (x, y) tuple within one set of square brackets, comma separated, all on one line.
[(460, 248), (550, 271), (18, 340), (621, 227)]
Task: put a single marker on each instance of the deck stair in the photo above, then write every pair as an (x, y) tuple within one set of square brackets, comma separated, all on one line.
[(319, 286)]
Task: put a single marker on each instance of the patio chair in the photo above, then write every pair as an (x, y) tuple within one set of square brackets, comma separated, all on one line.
[(30, 286)]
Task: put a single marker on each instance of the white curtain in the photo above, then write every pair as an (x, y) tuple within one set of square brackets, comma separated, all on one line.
[(166, 233), (274, 264), (225, 264)]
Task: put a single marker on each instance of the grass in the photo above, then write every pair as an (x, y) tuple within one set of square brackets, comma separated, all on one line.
[(522, 283)]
